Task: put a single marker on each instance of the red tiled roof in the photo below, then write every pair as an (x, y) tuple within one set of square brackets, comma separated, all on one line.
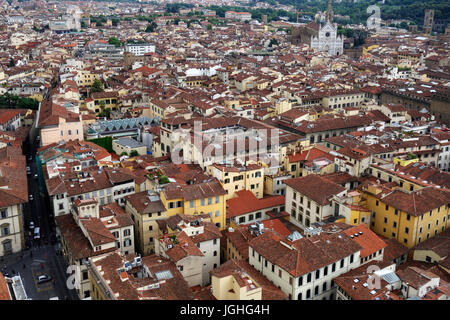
[(78, 245), (207, 189), (315, 187), (185, 247), (246, 202), (415, 277), (6, 115), (357, 290), (306, 254), (368, 240), (50, 113), (12, 176), (310, 154), (275, 225), (393, 250), (418, 202), (4, 291)]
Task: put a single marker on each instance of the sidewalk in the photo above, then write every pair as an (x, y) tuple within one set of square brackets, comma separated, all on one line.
[(61, 265), (12, 259)]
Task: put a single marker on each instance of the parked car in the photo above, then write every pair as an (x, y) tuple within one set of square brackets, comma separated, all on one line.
[(37, 233), (43, 278)]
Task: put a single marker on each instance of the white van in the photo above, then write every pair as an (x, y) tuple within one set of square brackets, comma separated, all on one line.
[(37, 234)]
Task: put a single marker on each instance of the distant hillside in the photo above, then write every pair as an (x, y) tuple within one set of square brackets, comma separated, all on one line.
[(413, 10)]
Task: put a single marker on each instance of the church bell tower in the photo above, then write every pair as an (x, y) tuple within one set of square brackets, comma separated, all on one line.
[(330, 11)]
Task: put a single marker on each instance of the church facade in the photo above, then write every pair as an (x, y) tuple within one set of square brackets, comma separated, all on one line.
[(327, 40), (322, 37)]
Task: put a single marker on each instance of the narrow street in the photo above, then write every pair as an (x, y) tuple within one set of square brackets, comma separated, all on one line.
[(39, 210), (32, 263), (40, 256)]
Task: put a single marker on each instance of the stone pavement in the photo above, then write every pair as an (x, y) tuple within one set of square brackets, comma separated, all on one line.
[(32, 263)]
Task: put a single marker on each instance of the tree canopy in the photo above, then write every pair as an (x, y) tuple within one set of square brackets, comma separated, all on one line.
[(151, 27), (114, 41), (8, 101), (97, 86)]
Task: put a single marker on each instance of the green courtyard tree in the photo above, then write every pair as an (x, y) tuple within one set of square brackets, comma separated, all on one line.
[(134, 153), (97, 86), (403, 25), (273, 42), (102, 105), (105, 113), (115, 22), (163, 180), (114, 41), (9, 101), (151, 27)]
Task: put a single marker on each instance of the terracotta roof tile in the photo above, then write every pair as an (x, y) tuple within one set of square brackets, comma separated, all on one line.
[(307, 254), (368, 240), (246, 202), (315, 187), (4, 291)]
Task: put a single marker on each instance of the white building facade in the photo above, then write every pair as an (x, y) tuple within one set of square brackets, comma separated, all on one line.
[(328, 40), (140, 49)]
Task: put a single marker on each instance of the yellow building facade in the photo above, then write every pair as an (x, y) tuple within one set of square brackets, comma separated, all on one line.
[(238, 178), (96, 292), (86, 78), (391, 220), (188, 201), (144, 211), (404, 162)]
